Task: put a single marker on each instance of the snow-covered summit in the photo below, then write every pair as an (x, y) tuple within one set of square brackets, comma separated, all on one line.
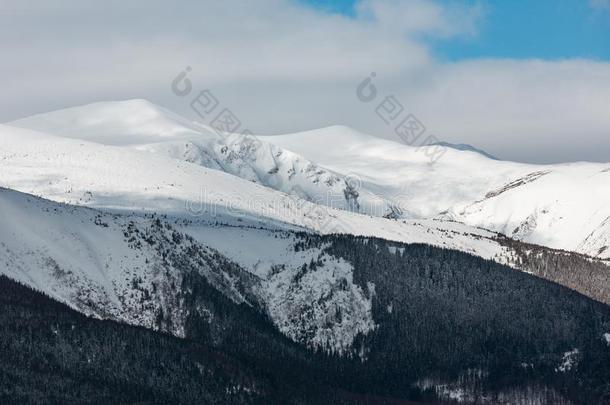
[(116, 123), (141, 125), (565, 206)]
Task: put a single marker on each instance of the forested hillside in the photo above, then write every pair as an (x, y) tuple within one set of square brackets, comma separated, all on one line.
[(50, 354), (451, 320), (448, 326)]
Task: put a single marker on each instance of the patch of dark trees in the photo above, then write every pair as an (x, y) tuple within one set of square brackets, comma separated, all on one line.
[(440, 314)]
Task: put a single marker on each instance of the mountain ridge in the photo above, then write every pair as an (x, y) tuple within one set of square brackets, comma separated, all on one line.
[(366, 175)]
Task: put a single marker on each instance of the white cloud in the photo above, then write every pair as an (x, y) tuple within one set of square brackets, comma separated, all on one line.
[(600, 4), (422, 17), (284, 67)]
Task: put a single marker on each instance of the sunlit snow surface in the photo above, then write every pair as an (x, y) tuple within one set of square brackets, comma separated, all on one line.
[(135, 155), (564, 206)]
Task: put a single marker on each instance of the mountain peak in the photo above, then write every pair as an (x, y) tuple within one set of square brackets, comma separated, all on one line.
[(115, 122)]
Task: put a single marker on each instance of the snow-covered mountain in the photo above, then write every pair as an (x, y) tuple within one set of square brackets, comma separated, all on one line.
[(136, 267), (125, 179), (140, 125), (376, 306), (125, 264), (131, 267), (100, 264), (564, 206), (149, 219)]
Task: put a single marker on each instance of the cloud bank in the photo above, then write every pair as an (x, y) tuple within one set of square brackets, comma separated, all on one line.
[(284, 67)]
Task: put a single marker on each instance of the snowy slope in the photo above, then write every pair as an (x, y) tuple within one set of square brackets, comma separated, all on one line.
[(138, 124), (100, 264), (561, 206), (132, 268), (245, 198), (90, 174), (564, 206)]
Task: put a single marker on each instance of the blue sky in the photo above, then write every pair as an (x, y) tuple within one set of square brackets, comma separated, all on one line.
[(520, 29)]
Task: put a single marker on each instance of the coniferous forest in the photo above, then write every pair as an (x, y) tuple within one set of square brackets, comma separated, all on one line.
[(446, 322)]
